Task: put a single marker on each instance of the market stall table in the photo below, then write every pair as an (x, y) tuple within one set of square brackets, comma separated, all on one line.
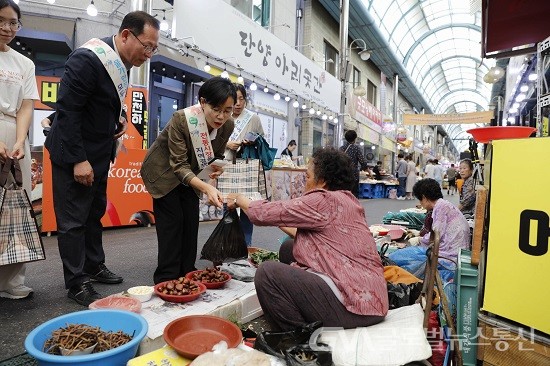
[(237, 301)]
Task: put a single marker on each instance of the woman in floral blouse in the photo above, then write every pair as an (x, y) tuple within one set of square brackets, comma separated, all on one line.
[(445, 219), (333, 273)]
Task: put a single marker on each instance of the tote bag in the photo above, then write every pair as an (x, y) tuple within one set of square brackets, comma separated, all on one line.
[(245, 176), (20, 240)]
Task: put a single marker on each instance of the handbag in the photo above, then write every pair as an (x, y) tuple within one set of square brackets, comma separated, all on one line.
[(260, 150), (20, 240), (245, 176)]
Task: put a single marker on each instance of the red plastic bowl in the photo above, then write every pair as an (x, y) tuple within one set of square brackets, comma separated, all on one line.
[(179, 298), (117, 302), (487, 134), (209, 284), (191, 336), (396, 231)]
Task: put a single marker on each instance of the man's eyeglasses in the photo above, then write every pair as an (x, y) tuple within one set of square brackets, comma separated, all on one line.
[(148, 49), (14, 25)]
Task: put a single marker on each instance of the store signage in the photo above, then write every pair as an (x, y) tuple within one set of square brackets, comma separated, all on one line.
[(518, 256), (444, 119), (48, 88), (388, 144), (368, 134), (363, 111), (265, 101), (137, 115), (219, 29)]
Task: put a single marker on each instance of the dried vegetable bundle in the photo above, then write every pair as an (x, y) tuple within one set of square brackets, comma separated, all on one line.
[(81, 336)]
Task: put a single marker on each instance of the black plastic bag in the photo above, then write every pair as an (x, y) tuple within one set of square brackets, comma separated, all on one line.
[(400, 294), (386, 261), (226, 243), (293, 345)]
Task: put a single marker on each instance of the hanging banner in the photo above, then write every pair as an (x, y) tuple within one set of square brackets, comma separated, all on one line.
[(138, 116), (364, 112), (445, 119)]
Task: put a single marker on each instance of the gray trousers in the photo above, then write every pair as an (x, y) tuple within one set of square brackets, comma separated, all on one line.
[(291, 297)]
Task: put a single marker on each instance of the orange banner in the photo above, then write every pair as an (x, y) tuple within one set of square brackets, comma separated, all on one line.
[(128, 202)]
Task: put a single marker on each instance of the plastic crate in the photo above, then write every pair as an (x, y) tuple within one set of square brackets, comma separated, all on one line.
[(366, 190), (467, 307), (379, 190)]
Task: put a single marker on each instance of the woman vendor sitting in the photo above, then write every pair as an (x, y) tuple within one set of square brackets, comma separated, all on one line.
[(446, 219), (334, 273)]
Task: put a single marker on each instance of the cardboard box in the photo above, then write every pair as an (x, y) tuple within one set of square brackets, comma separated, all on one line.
[(165, 356), (504, 344)]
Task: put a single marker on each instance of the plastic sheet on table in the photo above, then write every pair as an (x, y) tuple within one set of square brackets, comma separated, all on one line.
[(241, 270)]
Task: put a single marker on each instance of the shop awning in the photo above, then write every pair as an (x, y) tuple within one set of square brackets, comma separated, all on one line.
[(512, 23)]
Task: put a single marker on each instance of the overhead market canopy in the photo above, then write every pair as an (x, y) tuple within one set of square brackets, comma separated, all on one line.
[(438, 42)]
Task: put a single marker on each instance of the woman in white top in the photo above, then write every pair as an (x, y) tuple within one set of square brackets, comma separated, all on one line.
[(411, 177), (17, 91), (245, 122)]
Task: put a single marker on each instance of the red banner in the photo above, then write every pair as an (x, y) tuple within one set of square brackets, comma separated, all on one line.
[(364, 112)]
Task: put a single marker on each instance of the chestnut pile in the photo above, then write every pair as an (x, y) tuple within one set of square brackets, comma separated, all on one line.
[(209, 275), (181, 286)]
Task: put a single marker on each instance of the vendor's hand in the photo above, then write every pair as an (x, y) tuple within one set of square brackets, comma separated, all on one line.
[(18, 150), (83, 173), (233, 145), (231, 200), (214, 196), (122, 126), (414, 241)]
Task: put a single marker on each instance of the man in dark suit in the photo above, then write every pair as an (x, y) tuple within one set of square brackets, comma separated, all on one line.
[(82, 143)]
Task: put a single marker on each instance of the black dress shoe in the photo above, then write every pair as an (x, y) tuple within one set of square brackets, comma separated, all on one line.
[(104, 275), (84, 294)]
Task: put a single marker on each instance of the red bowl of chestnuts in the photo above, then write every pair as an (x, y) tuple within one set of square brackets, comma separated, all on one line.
[(179, 290), (210, 277)]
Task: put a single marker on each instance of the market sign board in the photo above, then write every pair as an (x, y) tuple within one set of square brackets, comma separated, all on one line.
[(222, 32), (518, 255), (366, 113), (445, 119)]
